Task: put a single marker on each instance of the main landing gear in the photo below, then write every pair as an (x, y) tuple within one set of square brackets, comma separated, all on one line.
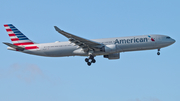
[(158, 53), (90, 60)]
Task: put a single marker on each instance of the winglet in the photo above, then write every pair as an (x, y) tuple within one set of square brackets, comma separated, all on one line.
[(57, 29), (68, 35)]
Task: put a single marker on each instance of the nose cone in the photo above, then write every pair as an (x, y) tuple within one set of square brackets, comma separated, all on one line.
[(169, 41), (173, 41)]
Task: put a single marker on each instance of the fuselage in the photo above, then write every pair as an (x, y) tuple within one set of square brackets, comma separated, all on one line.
[(120, 44), (110, 48)]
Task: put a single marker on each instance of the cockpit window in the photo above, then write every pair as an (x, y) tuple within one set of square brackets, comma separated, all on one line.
[(168, 37)]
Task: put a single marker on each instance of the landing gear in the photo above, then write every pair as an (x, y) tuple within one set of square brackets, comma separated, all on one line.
[(93, 61), (91, 57), (158, 53), (89, 63), (86, 60)]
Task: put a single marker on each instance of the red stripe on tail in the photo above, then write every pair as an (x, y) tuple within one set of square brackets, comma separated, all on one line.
[(12, 34), (15, 39), (8, 30), (6, 26)]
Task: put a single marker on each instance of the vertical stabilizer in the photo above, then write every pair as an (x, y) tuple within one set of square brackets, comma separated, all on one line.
[(16, 36)]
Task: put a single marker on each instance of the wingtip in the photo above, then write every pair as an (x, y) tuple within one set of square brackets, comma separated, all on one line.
[(4, 42), (57, 29)]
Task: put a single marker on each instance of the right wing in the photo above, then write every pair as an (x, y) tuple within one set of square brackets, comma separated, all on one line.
[(81, 42)]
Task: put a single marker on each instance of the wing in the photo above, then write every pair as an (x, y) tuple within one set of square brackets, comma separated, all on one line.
[(81, 42)]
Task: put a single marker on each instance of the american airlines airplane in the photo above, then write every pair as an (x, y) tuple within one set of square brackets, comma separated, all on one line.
[(77, 46)]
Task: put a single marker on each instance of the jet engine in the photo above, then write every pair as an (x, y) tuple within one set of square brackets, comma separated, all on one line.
[(109, 48), (112, 56)]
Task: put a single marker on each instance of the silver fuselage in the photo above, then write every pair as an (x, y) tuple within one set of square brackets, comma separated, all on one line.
[(122, 44)]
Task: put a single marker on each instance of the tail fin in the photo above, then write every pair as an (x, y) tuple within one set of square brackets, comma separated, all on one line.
[(16, 36)]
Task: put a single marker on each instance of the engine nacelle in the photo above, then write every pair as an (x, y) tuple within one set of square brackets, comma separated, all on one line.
[(109, 48), (112, 56)]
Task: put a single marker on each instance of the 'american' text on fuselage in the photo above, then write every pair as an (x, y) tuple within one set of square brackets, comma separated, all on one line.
[(134, 40)]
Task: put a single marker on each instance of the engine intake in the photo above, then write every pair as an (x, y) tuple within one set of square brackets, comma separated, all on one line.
[(109, 48)]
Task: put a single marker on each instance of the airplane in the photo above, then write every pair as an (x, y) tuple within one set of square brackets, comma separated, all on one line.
[(77, 46)]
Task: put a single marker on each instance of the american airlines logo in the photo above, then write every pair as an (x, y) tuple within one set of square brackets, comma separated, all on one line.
[(133, 40), (151, 38)]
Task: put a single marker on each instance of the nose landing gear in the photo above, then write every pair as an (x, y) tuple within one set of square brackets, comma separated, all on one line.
[(90, 60), (158, 53)]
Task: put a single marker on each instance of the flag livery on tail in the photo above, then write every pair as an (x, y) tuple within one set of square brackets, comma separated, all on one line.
[(18, 39), (16, 36)]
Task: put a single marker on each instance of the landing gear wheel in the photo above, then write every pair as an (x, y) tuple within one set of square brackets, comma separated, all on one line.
[(89, 63), (93, 61), (87, 60), (90, 60), (158, 53), (91, 57)]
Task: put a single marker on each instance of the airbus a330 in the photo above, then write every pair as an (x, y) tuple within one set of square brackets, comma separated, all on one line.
[(77, 46)]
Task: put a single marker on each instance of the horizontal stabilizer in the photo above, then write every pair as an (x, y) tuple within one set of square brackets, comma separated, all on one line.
[(14, 46)]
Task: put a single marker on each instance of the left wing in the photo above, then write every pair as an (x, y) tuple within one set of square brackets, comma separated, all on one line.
[(81, 42)]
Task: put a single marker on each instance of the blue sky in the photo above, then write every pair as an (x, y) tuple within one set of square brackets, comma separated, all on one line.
[(137, 76)]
